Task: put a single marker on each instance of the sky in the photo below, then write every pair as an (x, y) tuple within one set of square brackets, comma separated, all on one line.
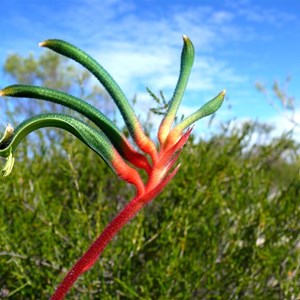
[(237, 43)]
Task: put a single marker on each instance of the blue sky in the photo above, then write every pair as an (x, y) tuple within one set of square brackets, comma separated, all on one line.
[(237, 43)]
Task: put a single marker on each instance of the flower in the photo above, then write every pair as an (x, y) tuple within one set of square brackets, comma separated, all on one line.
[(109, 142)]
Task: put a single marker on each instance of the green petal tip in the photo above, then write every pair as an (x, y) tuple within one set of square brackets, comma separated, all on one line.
[(7, 134), (42, 44), (8, 165)]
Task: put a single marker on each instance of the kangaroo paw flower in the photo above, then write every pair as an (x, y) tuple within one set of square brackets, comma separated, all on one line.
[(107, 140)]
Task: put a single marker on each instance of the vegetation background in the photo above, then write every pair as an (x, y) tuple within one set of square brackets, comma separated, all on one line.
[(227, 226)]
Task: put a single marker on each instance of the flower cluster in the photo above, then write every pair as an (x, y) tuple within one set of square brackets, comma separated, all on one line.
[(108, 141)]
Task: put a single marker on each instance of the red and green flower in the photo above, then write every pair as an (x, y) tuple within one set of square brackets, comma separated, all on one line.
[(107, 140)]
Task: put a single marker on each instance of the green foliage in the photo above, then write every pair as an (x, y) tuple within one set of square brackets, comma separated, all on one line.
[(227, 227)]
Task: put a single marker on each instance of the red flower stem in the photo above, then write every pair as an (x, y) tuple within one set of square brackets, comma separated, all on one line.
[(156, 182), (92, 254)]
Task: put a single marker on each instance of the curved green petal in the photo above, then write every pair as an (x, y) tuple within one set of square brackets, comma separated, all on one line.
[(95, 140), (187, 60), (106, 125), (207, 109), (131, 121)]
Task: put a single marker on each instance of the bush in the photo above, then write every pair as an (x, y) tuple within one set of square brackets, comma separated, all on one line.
[(226, 227)]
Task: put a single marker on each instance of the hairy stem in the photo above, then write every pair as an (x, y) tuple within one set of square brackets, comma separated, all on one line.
[(91, 255)]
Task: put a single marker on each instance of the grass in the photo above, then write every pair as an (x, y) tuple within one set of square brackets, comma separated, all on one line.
[(226, 227)]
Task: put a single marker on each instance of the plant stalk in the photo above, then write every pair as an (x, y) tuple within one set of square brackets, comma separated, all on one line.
[(92, 254)]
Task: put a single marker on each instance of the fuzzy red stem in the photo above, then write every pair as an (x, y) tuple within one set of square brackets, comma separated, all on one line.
[(155, 185), (92, 254)]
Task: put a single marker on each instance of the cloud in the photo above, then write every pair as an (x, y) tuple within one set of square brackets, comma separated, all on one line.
[(139, 42), (145, 42), (283, 124), (140, 50)]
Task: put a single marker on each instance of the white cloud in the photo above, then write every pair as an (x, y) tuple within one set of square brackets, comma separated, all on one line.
[(144, 50), (283, 124), (278, 125), (134, 67), (142, 47)]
